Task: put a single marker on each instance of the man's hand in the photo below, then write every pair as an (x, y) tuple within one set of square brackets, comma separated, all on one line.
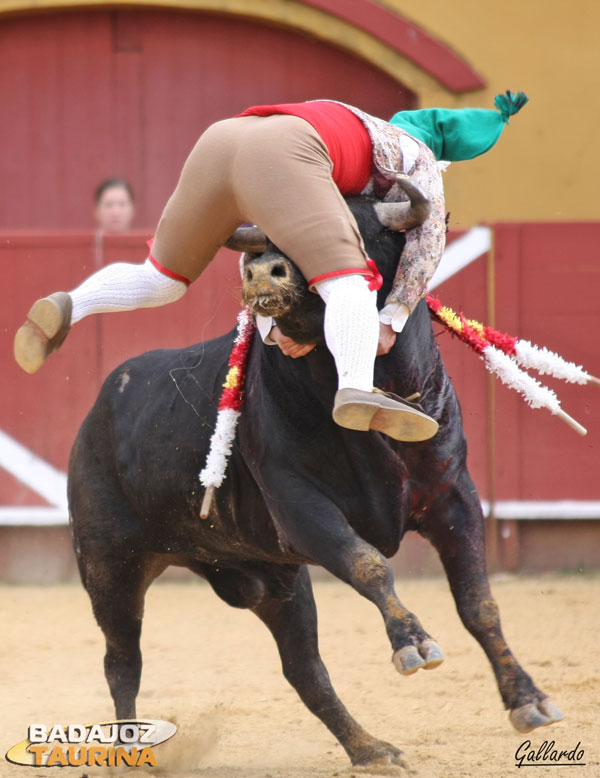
[(387, 338), (289, 347)]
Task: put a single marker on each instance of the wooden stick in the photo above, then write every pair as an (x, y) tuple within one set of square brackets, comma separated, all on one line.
[(206, 502), (593, 380), (574, 425)]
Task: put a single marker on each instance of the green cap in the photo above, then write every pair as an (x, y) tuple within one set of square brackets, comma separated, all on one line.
[(462, 133)]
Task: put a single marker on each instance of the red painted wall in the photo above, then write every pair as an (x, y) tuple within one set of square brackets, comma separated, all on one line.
[(44, 411), (90, 95), (547, 287)]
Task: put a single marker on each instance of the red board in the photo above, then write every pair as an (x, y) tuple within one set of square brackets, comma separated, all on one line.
[(88, 95), (91, 95), (44, 411), (547, 280), (548, 286)]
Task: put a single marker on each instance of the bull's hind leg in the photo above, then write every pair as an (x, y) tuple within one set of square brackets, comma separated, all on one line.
[(293, 622), (455, 527), (116, 588)]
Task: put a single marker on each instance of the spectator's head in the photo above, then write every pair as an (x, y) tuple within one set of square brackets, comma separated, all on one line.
[(114, 207)]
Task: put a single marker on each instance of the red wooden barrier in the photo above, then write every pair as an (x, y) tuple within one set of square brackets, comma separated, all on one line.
[(91, 94), (548, 291), (45, 410), (547, 283)]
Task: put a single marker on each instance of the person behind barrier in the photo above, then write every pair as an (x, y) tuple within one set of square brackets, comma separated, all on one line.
[(114, 207)]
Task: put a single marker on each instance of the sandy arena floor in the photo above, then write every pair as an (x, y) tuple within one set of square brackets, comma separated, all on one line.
[(215, 672)]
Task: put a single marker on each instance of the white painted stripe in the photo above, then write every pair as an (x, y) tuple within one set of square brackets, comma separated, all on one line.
[(551, 509), (32, 516), (460, 253), (33, 471), (526, 510)]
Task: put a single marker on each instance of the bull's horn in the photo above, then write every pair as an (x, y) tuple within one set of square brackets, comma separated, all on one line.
[(250, 239), (404, 216)]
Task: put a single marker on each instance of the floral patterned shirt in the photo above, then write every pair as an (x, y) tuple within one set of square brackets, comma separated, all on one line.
[(425, 244)]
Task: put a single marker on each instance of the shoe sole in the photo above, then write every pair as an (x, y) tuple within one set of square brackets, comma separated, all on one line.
[(47, 315), (404, 424), (355, 415), (44, 320)]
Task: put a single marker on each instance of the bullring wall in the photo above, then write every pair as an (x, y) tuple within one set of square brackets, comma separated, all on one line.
[(540, 282)]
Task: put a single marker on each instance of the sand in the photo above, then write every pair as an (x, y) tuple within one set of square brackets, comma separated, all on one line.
[(215, 672)]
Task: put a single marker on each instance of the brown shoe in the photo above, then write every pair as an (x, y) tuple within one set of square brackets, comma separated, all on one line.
[(48, 323), (356, 409)]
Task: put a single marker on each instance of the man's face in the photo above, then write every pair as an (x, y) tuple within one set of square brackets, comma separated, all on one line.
[(114, 211)]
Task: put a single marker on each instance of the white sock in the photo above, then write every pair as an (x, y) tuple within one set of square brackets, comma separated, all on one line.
[(124, 287), (351, 329)]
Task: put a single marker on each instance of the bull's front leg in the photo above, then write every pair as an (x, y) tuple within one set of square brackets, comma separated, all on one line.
[(454, 525), (292, 620), (370, 574), (319, 531)]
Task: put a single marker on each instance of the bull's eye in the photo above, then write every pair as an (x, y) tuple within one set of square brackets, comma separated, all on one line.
[(279, 271), (248, 275)]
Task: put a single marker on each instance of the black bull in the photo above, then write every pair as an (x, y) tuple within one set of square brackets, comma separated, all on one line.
[(299, 490)]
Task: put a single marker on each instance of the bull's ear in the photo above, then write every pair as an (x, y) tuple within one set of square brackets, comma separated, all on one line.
[(250, 239), (405, 215)]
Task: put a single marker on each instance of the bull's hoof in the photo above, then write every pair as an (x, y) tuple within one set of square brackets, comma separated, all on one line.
[(533, 715), (428, 655), (432, 653), (380, 757)]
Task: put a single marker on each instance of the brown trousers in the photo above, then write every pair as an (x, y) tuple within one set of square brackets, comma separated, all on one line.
[(272, 171)]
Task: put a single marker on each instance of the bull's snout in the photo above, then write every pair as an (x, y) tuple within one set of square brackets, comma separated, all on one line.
[(267, 275), (269, 286)]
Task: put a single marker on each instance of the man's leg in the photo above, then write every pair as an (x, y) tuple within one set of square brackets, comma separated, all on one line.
[(200, 215), (125, 287), (351, 334), (117, 287), (283, 183), (351, 329)]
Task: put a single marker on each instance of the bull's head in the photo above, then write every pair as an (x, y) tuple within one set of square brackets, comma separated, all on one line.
[(273, 285)]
